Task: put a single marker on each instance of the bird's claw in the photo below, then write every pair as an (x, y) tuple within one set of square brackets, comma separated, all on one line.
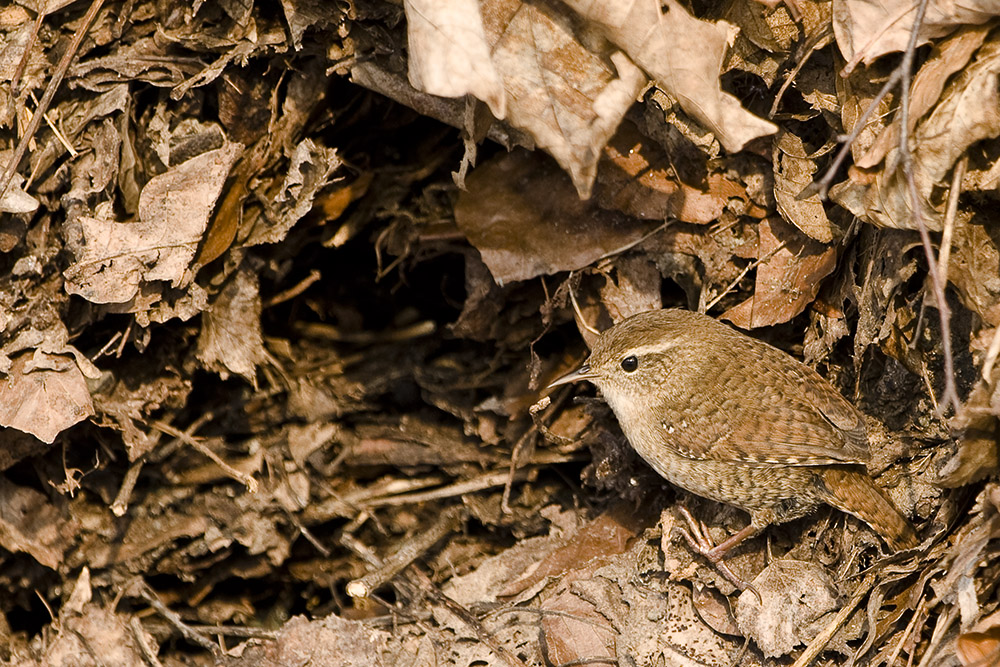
[(697, 538)]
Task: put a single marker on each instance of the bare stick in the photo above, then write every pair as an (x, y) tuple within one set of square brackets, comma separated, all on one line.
[(243, 478), (174, 619), (448, 523), (944, 254), (823, 638), (50, 92), (949, 398), (120, 504)]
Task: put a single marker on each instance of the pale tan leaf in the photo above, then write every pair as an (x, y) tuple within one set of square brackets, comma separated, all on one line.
[(448, 53), (684, 55), (231, 340), (568, 98), (867, 29), (44, 395)]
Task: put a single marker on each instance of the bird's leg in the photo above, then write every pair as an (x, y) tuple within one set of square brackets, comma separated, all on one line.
[(697, 539)]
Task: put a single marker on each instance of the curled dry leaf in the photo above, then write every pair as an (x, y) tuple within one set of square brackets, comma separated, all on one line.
[(947, 58), (794, 168), (789, 275), (568, 98), (867, 29), (115, 258), (968, 112), (310, 170), (684, 56), (448, 52)]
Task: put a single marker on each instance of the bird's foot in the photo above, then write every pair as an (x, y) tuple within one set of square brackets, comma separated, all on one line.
[(697, 538)]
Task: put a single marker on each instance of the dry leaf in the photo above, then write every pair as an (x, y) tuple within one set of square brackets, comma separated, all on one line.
[(867, 29), (793, 172), (231, 340), (30, 524), (969, 111), (788, 278), (115, 258), (310, 170), (948, 57), (637, 178), (525, 218), (797, 598), (448, 52), (569, 99), (684, 56), (44, 395)]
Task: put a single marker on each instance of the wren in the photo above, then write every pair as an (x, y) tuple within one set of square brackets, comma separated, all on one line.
[(733, 419)]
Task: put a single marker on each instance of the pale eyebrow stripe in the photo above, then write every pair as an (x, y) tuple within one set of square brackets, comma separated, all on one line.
[(653, 347)]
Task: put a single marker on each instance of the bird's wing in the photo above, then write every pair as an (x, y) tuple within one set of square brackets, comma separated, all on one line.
[(787, 415)]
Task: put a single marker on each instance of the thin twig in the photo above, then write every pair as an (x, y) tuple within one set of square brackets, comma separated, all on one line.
[(120, 504), (944, 254), (52, 126), (175, 620), (991, 356), (22, 65), (908, 631), (50, 92), (480, 483), (944, 623), (822, 186), (823, 638), (187, 439), (576, 311), (139, 635), (449, 522), (949, 398)]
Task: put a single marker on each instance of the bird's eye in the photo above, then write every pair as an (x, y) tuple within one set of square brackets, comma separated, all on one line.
[(630, 363)]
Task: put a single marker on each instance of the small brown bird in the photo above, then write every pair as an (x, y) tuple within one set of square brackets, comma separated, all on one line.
[(731, 418)]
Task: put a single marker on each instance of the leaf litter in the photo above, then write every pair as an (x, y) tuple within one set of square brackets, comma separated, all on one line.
[(283, 285)]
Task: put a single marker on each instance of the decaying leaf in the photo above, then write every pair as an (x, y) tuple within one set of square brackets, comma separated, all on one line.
[(231, 340), (798, 598), (174, 208), (526, 220), (44, 395)]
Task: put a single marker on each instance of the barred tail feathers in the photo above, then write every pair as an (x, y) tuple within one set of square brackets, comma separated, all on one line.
[(854, 492)]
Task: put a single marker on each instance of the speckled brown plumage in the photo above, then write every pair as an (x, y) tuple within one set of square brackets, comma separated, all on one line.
[(733, 419)]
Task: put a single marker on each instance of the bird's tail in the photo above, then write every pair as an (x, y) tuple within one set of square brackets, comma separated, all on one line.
[(854, 492)]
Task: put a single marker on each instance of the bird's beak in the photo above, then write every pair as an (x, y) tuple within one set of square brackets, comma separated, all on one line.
[(581, 373)]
